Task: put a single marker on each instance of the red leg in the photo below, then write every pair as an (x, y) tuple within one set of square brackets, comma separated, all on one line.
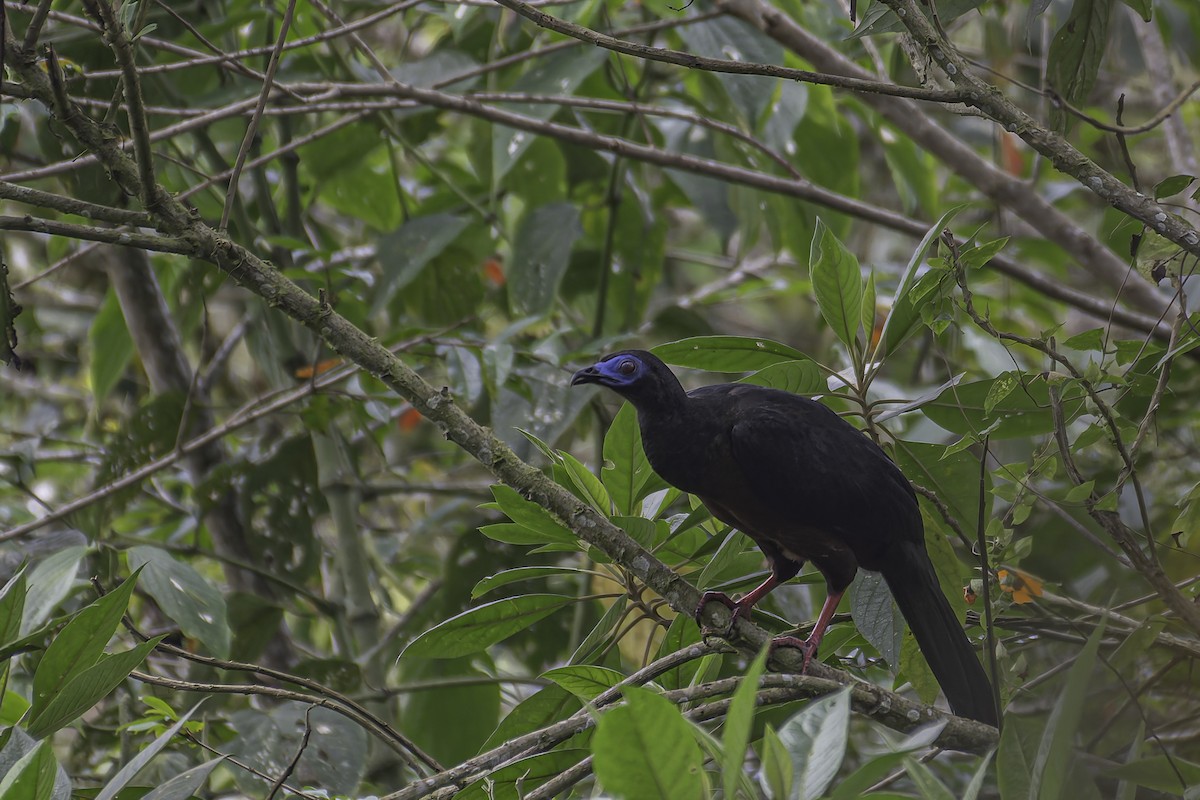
[(740, 608), (809, 646)]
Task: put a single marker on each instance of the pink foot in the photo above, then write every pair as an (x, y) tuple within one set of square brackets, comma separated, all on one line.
[(740, 609), (806, 646)]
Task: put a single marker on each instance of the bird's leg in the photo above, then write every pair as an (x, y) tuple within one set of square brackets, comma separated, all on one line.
[(740, 608), (809, 646)]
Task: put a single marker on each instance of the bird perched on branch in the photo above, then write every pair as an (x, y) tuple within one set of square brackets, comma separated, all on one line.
[(805, 485)]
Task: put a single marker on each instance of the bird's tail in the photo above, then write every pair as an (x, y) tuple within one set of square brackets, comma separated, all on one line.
[(914, 584)]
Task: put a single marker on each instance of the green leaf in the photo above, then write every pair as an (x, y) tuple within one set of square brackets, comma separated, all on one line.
[(739, 720), (645, 750), (80, 644), (726, 353), (12, 604), (626, 468), (1020, 413), (1144, 8), (730, 38), (135, 764), (976, 785), (1077, 50), (797, 377), (504, 578), (32, 777), (815, 740), (111, 347), (1052, 764), (876, 615), (186, 784), (776, 775), (86, 688), (928, 786), (588, 485), (584, 681), (184, 596), (1173, 185), (529, 515), (837, 283), (49, 583), (599, 634), (1001, 388), (404, 252), (904, 317), (1158, 773), (542, 708), (541, 252), (479, 628)]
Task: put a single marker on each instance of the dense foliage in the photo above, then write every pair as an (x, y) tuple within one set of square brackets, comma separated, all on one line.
[(274, 273)]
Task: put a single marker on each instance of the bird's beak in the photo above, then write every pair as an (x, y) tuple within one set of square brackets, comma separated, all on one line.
[(586, 375)]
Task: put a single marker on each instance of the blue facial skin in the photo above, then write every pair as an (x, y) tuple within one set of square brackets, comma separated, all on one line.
[(618, 371)]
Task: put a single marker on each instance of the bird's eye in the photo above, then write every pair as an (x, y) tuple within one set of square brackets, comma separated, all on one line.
[(626, 367)]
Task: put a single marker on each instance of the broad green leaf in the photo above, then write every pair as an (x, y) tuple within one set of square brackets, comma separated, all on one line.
[(587, 484), (186, 784), (739, 720), (32, 777), (49, 583), (797, 377), (625, 468), (493, 582), (529, 515), (541, 252), (1144, 8), (550, 705), (682, 631), (904, 317), (1052, 764), (451, 722), (479, 628), (86, 688), (815, 739), (730, 38), (110, 346), (584, 681), (837, 283), (12, 605), (599, 634), (1156, 772), (516, 780), (1173, 185), (404, 252), (876, 615), (726, 353), (1077, 50), (776, 774), (1022, 412), (184, 596), (914, 669), (80, 644), (645, 750), (135, 764), (976, 785)]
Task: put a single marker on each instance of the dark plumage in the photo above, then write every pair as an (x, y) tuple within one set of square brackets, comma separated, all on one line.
[(805, 485)]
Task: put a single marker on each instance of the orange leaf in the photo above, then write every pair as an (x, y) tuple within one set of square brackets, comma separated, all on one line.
[(1021, 585), (409, 418), (493, 271)]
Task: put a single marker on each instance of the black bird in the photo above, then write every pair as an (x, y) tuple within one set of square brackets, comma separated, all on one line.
[(805, 485)]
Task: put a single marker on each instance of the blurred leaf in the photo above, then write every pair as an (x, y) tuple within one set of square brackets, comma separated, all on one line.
[(837, 283), (186, 784), (49, 583), (645, 750), (12, 606), (733, 40), (600, 634), (881, 19), (32, 777), (335, 758), (1175, 184), (450, 722), (185, 597), (1077, 50), (479, 628), (929, 787), (1023, 411), (1055, 753), (776, 774), (111, 347), (1158, 773), (404, 252), (1144, 8), (541, 252)]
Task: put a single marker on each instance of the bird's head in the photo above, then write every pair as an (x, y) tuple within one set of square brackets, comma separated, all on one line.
[(638, 376)]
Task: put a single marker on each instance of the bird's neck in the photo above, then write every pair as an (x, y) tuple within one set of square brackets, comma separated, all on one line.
[(673, 444)]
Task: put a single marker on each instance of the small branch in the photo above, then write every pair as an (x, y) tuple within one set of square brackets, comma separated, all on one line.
[(34, 31), (252, 128), (69, 205), (727, 66), (71, 230)]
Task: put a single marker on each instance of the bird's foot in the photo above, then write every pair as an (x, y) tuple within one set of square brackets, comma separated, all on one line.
[(739, 609), (806, 646)]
